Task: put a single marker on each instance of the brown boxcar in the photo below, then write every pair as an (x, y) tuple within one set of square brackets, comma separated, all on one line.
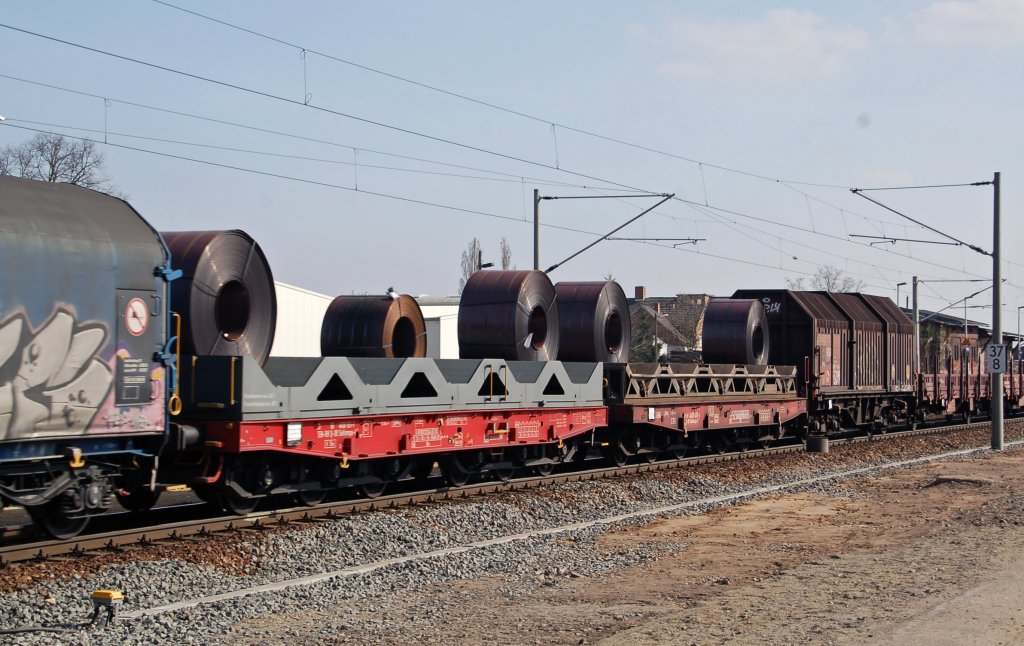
[(853, 343)]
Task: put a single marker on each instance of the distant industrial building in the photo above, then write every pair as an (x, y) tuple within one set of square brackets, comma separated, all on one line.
[(441, 314), (300, 313)]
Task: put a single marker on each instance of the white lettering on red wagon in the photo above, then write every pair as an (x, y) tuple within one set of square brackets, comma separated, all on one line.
[(527, 429), (336, 432), (426, 437), (739, 416)]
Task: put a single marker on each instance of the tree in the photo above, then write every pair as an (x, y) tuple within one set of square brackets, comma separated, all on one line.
[(830, 279), (935, 350), (55, 158), (506, 255), (643, 346), (469, 263)]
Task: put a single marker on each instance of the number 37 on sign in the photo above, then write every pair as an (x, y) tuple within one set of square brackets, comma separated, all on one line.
[(996, 355)]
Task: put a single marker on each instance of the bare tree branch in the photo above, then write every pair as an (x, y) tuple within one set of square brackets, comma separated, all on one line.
[(470, 258), (506, 255), (830, 279), (55, 158)]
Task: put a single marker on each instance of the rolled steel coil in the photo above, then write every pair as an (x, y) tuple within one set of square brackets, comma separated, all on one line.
[(373, 326), (735, 331), (225, 296), (593, 322), (508, 315)]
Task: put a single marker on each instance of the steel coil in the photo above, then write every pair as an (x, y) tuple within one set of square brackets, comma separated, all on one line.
[(735, 331), (225, 296), (373, 326), (508, 315), (593, 321)]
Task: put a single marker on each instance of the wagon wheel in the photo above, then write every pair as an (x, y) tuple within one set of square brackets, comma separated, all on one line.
[(138, 499), (718, 444), (459, 468), (544, 469), (422, 468), (372, 489), (53, 518), (615, 454), (503, 475), (547, 452), (740, 440), (310, 497), (205, 492), (651, 454), (515, 455), (383, 471), (233, 503)]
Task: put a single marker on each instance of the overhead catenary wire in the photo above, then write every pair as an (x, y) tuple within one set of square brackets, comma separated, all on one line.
[(321, 160), (269, 95), (424, 202), (481, 170), (666, 197), (487, 104), (717, 219), (954, 304), (525, 115), (708, 210), (907, 188), (293, 102), (699, 206), (333, 161), (746, 234), (544, 120), (400, 198), (857, 191), (290, 135), (553, 124)]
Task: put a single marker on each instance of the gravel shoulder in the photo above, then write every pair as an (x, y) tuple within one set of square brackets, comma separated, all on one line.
[(926, 555), (908, 558)]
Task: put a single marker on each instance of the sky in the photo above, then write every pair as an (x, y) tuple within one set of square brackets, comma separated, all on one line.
[(365, 144)]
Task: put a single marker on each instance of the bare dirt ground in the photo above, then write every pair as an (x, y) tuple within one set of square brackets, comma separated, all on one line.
[(930, 555)]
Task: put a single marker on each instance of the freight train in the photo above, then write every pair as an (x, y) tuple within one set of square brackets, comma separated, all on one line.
[(132, 359)]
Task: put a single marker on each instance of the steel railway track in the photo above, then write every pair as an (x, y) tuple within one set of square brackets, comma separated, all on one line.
[(136, 538)]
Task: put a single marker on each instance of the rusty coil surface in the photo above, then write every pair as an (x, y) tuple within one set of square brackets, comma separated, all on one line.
[(225, 296), (593, 322), (373, 326), (508, 315), (735, 331)]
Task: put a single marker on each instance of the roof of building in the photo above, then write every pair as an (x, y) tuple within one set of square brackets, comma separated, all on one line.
[(426, 299), (681, 318), (944, 319)]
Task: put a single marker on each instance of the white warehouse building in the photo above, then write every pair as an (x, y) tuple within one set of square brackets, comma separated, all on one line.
[(441, 314), (300, 313)]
